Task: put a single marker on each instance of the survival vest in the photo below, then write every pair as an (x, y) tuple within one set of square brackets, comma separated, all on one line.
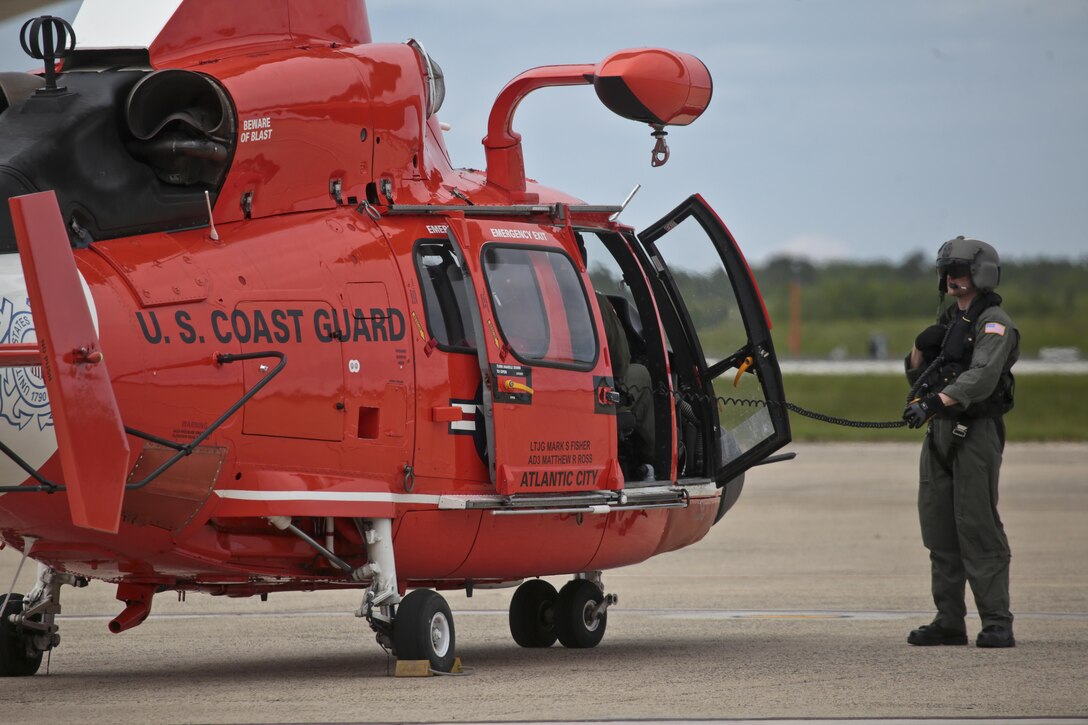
[(955, 357)]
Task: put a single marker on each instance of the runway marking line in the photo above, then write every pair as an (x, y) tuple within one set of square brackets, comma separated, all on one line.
[(657, 613)]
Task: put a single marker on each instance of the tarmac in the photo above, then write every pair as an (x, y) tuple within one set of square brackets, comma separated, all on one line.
[(795, 607)]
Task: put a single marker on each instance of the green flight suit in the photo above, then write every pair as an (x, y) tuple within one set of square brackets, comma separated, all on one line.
[(958, 509)]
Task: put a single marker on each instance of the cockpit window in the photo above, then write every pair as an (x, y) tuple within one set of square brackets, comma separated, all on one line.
[(445, 298), (541, 306)]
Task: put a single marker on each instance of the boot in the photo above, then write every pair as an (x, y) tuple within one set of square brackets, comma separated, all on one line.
[(934, 634), (995, 635)]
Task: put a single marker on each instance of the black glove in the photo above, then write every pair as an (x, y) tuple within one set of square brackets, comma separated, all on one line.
[(921, 410), (929, 341)]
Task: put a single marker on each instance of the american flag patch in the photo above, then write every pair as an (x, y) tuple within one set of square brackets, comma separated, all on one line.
[(995, 328)]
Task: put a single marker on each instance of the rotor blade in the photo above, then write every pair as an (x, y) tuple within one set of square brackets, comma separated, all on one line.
[(94, 450), (23, 8)]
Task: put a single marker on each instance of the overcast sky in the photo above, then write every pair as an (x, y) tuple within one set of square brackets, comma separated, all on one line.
[(838, 128)]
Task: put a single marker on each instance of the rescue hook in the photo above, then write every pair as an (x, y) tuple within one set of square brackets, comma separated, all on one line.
[(660, 154)]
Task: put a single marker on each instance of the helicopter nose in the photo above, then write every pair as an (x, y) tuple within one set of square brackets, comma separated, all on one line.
[(26, 420)]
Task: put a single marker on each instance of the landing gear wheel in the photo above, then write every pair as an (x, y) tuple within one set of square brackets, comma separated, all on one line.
[(532, 614), (14, 660), (574, 620), (423, 630)]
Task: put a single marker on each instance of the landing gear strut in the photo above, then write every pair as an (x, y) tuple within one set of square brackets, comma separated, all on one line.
[(382, 596), (417, 627), (28, 626)]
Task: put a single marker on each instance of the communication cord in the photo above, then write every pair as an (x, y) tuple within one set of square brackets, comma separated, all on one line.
[(823, 418), (686, 397)]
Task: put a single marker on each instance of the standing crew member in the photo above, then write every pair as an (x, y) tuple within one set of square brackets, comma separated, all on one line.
[(962, 385)]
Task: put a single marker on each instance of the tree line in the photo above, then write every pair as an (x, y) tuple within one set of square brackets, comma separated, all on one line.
[(844, 304), (866, 290)]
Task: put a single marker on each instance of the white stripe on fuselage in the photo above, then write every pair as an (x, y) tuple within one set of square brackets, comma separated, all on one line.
[(346, 496)]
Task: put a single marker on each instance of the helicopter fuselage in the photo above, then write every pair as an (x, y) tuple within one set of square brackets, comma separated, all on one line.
[(325, 356)]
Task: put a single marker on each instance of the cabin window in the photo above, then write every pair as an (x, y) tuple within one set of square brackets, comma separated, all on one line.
[(540, 306), (445, 296)]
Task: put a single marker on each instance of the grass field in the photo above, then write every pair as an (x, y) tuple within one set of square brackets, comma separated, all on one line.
[(1048, 407)]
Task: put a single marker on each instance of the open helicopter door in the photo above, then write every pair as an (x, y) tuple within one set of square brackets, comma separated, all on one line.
[(549, 415), (727, 375)]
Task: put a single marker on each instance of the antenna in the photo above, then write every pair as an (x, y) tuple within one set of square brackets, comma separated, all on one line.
[(214, 235), (626, 201)]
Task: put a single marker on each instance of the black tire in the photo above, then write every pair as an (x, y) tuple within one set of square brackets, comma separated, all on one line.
[(532, 614), (423, 630), (573, 624), (14, 661)]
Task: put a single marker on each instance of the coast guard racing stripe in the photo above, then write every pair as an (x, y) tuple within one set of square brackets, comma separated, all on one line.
[(467, 424)]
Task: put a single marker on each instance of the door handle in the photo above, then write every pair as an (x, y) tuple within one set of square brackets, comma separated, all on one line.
[(608, 396), (743, 368), (447, 414), (510, 385)]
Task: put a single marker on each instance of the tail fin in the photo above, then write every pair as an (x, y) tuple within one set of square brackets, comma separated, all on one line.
[(90, 435)]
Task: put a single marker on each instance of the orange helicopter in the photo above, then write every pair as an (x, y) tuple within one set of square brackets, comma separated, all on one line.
[(258, 333)]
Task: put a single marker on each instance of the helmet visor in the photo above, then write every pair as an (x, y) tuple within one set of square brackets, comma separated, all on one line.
[(954, 268)]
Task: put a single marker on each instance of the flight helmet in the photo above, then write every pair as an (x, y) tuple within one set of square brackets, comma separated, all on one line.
[(973, 256)]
